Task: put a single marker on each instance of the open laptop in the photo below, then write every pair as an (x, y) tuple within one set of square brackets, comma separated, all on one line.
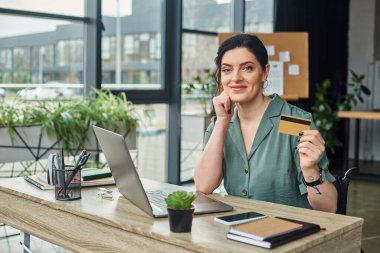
[(130, 186)]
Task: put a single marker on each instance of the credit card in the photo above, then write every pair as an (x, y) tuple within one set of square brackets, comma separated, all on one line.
[(293, 125)]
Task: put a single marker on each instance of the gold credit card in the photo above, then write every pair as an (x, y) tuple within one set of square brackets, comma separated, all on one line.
[(293, 125)]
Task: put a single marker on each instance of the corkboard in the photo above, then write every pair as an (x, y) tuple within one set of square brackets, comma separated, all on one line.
[(295, 86)]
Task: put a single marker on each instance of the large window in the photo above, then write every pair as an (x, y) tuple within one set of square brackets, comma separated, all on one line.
[(42, 44)]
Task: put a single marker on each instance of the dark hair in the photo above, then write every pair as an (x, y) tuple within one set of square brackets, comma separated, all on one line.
[(248, 41)]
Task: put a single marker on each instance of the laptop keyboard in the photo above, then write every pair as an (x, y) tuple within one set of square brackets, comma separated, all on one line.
[(157, 198)]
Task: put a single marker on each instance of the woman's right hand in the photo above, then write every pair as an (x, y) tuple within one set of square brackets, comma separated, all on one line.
[(223, 107)]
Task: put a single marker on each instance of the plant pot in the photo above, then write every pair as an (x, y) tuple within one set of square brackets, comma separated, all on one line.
[(180, 220)]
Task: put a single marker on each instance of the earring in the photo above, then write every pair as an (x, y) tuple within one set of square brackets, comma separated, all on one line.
[(265, 84)]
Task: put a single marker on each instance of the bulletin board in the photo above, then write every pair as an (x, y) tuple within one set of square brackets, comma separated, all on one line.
[(296, 67)]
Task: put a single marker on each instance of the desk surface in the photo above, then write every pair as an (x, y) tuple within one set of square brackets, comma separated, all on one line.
[(93, 224), (359, 114)]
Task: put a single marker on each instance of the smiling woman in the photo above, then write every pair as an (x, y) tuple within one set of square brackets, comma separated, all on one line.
[(243, 145)]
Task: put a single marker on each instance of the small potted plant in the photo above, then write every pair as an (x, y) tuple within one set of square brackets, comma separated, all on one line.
[(180, 210)]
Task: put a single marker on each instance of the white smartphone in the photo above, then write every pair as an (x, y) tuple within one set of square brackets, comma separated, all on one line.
[(239, 218)]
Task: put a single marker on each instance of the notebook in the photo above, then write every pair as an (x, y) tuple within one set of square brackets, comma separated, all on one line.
[(307, 229), (264, 228), (130, 186), (92, 174), (41, 181), (38, 182)]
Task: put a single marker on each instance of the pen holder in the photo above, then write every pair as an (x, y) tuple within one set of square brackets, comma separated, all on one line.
[(67, 183)]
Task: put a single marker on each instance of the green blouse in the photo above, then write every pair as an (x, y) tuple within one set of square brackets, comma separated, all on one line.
[(271, 172)]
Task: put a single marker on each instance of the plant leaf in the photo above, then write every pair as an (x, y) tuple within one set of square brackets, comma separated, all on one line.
[(365, 90)]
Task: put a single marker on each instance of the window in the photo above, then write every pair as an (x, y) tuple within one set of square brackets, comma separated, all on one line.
[(5, 59), (207, 15), (258, 16), (42, 66), (63, 7), (45, 53), (135, 27), (106, 48)]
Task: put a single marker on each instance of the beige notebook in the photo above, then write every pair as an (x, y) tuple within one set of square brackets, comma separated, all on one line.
[(264, 228)]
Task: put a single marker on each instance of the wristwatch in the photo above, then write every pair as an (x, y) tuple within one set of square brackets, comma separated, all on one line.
[(314, 183), (320, 180)]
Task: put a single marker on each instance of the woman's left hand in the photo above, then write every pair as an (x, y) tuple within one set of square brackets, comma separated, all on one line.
[(311, 147)]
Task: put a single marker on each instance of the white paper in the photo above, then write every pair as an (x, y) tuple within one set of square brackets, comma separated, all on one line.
[(275, 81), (284, 56), (270, 50), (294, 69)]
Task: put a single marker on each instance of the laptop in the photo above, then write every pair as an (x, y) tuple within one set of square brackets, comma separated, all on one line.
[(130, 186)]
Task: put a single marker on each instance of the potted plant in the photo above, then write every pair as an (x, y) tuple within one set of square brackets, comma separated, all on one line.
[(29, 129), (180, 211)]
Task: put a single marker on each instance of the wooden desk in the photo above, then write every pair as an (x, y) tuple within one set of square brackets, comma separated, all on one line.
[(357, 115), (93, 224)]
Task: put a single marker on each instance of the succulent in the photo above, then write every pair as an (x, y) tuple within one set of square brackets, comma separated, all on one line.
[(180, 200)]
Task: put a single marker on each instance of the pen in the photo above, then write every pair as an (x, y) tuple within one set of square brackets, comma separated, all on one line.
[(62, 159), (82, 153), (35, 183), (81, 161)]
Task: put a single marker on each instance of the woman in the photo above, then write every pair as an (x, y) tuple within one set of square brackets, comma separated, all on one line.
[(243, 145)]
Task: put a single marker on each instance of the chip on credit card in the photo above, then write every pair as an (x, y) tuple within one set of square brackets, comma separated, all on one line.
[(293, 125)]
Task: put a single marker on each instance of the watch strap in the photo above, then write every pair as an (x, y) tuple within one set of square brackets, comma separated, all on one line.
[(313, 183)]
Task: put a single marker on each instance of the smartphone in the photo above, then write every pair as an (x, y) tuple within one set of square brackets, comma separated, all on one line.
[(239, 218)]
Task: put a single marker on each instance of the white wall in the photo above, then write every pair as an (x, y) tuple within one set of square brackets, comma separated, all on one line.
[(361, 56)]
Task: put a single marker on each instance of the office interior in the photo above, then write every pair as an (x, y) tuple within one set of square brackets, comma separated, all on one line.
[(147, 49)]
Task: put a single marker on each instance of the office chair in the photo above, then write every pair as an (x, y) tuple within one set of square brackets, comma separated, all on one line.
[(341, 185)]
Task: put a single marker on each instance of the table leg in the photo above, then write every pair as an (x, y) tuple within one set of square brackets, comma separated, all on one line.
[(357, 142), (24, 242)]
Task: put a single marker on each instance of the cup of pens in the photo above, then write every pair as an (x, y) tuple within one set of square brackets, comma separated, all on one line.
[(67, 179), (67, 183)]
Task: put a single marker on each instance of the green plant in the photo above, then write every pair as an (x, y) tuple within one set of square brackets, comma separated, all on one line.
[(325, 109), (180, 200), (71, 120), (203, 86), (358, 88)]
